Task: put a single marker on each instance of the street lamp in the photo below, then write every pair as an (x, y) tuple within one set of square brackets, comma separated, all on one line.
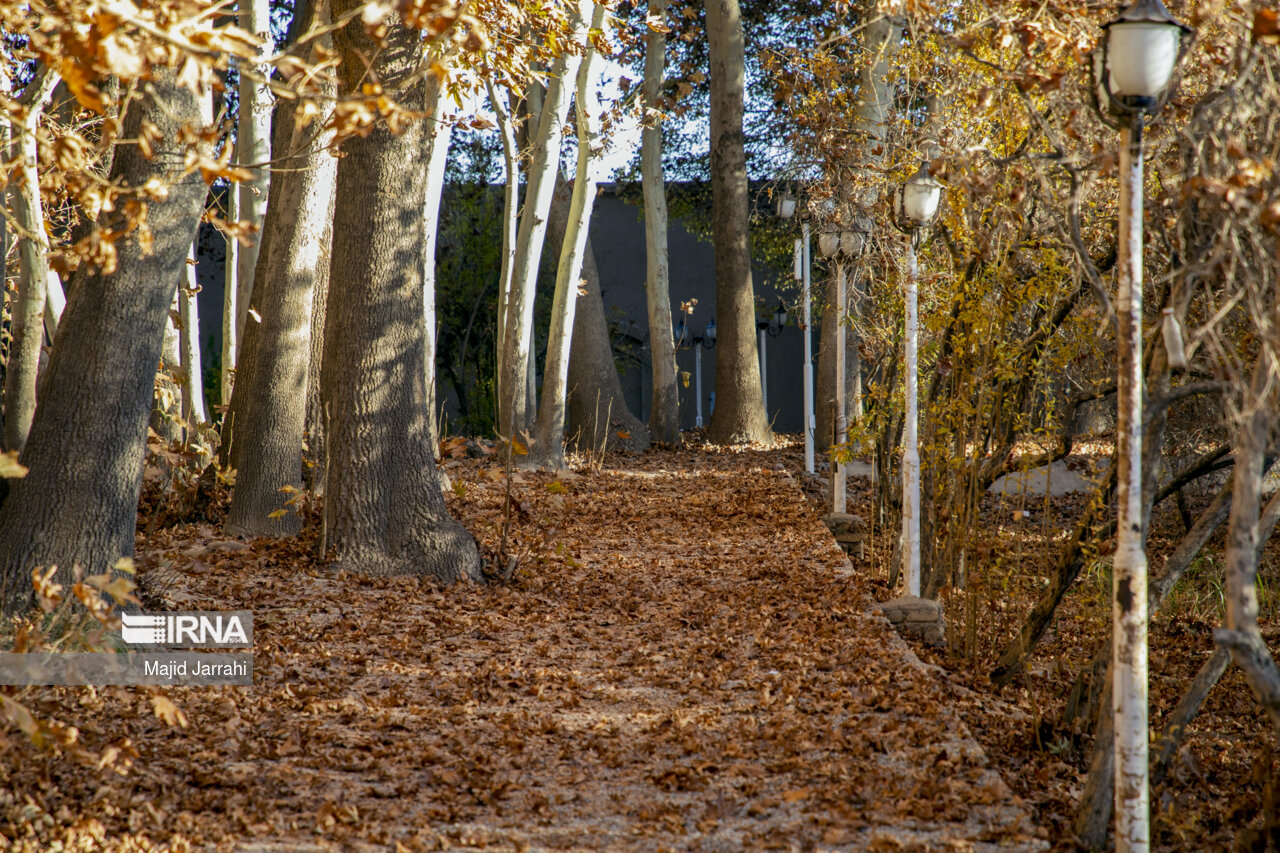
[(914, 205), (801, 268), (771, 327), (706, 340), (842, 244), (1133, 77)]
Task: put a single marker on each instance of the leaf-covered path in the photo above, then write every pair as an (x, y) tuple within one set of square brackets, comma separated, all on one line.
[(681, 662)]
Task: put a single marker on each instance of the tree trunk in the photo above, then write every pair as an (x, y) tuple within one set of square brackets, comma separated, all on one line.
[(514, 412), (739, 417), (313, 470), (510, 226), (271, 402), (230, 448), (97, 392), (599, 419), (166, 410), (386, 514), (253, 150), (438, 136), (664, 416), (230, 304), (193, 410), (1255, 419), (549, 446), (28, 306)]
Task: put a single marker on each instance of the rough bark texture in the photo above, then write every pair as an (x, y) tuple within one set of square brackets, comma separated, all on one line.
[(598, 415), (78, 504), (313, 469), (385, 511), (664, 416), (273, 415), (739, 417), (246, 366)]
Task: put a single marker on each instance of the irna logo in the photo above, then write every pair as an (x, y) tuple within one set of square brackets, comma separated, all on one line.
[(214, 629)]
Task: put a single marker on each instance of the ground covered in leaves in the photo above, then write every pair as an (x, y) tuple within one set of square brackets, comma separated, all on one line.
[(680, 661)]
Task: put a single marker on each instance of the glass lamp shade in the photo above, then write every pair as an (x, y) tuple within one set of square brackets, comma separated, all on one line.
[(710, 334), (780, 315), (920, 197), (1141, 57), (851, 243), (828, 243), (786, 205)]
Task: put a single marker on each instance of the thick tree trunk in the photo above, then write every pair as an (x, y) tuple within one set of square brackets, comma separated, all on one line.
[(739, 417), (385, 511), (28, 308), (514, 411), (271, 402), (230, 448), (664, 416), (548, 448), (96, 395)]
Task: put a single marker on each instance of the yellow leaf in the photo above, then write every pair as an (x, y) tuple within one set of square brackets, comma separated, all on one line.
[(10, 466), (519, 448), (623, 434), (280, 513), (125, 564), (167, 712)]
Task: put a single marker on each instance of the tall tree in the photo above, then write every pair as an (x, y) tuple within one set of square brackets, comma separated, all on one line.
[(22, 371), (514, 410), (549, 431), (664, 416), (86, 445), (386, 512), (271, 400), (739, 417)]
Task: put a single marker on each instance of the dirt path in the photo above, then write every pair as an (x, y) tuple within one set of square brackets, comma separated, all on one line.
[(678, 665)]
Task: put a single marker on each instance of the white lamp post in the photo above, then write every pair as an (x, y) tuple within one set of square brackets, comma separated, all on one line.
[(915, 204), (1133, 76)]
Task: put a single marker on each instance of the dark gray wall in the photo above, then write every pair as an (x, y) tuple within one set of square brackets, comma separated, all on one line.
[(617, 238)]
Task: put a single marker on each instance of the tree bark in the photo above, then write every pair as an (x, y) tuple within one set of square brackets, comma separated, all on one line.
[(1255, 420), (549, 445), (599, 419), (664, 416), (386, 514), (739, 417), (510, 225), (253, 150), (193, 410), (27, 324), (514, 410), (271, 402), (439, 134), (85, 451)]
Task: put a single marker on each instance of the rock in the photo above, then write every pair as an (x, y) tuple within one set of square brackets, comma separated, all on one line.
[(916, 618), (849, 532)]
